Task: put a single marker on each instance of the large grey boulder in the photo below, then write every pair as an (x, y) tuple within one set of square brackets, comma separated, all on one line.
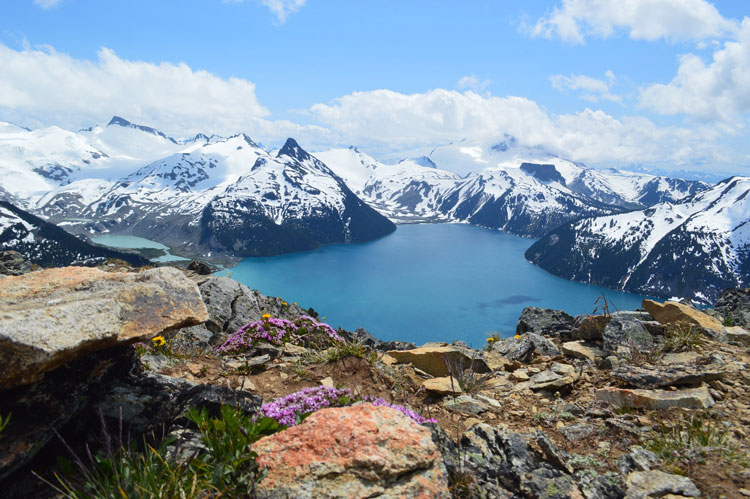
[(51, 317), (525, 346), (503, 462), (230, 306), (544, 321), (626, 329)]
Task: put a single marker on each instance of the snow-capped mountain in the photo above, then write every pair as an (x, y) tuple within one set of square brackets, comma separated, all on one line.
[(47, 245), (406, 191), (692, 249), (518, 203), (216, 188), (289, 202), (524, 191)]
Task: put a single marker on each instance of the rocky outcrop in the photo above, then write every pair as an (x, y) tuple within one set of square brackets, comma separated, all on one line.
[(734, 306), (230, 306), (54, 316), (505, 464), (544, 321), (363, 336), (13, 263), (358, 451)]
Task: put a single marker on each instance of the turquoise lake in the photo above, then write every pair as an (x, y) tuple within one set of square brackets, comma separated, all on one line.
[(424, 282), (134, 242)]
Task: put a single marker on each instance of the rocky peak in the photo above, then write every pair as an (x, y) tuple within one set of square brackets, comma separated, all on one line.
[(293, 150)]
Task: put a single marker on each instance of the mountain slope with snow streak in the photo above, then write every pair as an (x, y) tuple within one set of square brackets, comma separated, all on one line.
[(47, 245), (692, 249)]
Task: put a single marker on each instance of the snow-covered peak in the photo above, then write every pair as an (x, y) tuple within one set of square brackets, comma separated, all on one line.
[(118, 121)]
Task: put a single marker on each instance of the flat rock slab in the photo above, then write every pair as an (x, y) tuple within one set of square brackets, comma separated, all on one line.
[(358, 451), (691, 398), (581, 350), (736, 334), (672, 375), (671, 312), (51, 317), (646, 484), (432, 359), (442, 386)]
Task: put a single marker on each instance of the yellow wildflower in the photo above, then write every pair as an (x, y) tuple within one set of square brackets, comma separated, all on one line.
[(517, 336), (491, 339), (266, 316), (284, 303), (159, 341)]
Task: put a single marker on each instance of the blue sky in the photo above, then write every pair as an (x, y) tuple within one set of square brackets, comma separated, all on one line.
[(658, 83)]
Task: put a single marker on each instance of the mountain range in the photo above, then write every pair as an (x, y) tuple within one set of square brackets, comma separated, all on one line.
[(695, 248), (228, 197)]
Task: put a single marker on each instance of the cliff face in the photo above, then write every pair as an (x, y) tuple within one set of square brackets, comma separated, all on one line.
[(569, 407)]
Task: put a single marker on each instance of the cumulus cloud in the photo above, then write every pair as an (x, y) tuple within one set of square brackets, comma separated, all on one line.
[(589, 88), (390, 121), (471, 82), (674, 20), (48, 87), (46, 4), (719, 90)]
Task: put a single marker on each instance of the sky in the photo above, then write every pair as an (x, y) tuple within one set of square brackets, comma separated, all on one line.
[(653, 84)]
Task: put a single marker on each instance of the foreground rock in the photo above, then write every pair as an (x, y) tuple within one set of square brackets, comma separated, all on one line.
[(53, 316), (523, 347), (671, 312), (675, 375), (646, 484), (358, 451), (438, 360), (626, 329), (502, 461), (691, 398)]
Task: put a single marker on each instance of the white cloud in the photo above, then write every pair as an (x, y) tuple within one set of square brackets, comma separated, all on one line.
[(280, 8), (589, 88), (47, 87), (46, 4), (471, 82), (672, 20), (719, 90), (390, 121)]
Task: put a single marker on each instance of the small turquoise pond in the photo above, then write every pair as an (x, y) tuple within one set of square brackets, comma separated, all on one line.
[(134, 242), (424, 282)]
